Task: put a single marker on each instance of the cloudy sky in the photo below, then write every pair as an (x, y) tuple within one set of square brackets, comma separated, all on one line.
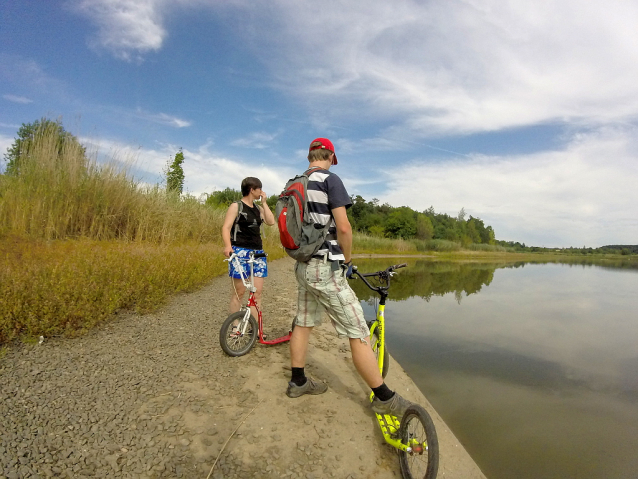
[(523, 113)]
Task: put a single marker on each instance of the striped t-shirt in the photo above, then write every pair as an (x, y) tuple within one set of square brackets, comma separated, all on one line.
[(325, 193)]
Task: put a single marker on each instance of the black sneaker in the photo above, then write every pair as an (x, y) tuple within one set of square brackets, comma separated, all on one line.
[(310, 387), (395, 406)]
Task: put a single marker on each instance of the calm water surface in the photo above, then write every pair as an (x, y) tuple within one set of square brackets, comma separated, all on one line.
[(533, 366)]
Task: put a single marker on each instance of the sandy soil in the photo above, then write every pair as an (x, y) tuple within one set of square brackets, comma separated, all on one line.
[(187, 398)]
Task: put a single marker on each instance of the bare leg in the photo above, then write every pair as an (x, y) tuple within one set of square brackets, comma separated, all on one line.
[(237, 290), (365, 361), (259, 287), (299, 346)]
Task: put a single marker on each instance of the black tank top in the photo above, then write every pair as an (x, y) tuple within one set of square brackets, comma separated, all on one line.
[(249, 232)]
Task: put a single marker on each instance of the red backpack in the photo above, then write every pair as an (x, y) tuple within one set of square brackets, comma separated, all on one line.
[(297, 231)]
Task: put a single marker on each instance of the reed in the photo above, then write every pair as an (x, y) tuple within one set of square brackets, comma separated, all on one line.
[(67, 195), (366, 244), (488, 248)]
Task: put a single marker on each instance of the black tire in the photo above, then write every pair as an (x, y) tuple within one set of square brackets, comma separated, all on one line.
[(238, 345), (420, 463), (375, 342)]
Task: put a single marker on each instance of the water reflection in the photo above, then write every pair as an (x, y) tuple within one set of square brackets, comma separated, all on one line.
[(533, 366), (425, 279)]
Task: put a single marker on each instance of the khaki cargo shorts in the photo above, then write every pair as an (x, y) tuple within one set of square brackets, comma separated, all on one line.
[(322, 289)]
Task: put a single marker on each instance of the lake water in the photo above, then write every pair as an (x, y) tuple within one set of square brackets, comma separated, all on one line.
[(533, 366)]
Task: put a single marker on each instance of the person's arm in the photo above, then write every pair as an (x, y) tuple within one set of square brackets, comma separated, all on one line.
[(344, 231), (269, 218), (231, 214)]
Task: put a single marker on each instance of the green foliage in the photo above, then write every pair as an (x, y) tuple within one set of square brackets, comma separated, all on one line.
[(403, 222), (175, 174), (30, 134), (271, 201), (424, 228), (223, 198)]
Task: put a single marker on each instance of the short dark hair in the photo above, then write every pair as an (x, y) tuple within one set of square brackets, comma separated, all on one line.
[(249, 184)]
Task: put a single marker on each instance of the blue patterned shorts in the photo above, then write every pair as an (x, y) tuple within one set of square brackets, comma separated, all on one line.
[(260, 266)]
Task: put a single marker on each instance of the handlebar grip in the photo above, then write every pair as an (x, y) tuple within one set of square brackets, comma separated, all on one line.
[(397, 266), (260, 255)]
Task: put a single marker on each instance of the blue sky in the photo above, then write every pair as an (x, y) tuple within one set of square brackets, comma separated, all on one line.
[(523, 113)]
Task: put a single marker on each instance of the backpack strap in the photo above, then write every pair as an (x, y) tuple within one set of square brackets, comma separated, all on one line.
[(240, 208), (261, 221), (309, 171)]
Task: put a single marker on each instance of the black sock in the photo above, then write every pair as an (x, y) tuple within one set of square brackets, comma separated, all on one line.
[(383, 392), (298, 376)]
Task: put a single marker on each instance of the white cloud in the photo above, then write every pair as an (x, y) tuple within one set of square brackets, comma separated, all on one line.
[(163, 119), (257, 140), (456, 66), (435, 67), (127, 29), (17, 99), (5, 144), (204, 171), (208, 173), (582, 195)]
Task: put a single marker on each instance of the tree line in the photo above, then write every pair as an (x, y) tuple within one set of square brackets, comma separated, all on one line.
[(385, 221), (608, 249)]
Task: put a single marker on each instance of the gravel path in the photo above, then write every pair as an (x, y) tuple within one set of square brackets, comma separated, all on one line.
[(155, 397)]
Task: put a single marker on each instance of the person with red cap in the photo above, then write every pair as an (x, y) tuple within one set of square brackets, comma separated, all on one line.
[(323, 286)]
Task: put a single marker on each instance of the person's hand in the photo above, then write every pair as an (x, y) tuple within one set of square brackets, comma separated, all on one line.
[(263, 197), (349, 270), (228, 251)]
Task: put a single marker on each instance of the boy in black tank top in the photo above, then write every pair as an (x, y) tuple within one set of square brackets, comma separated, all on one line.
[(243, 236)]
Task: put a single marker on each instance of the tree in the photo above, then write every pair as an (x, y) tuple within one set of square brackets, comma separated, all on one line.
[(29, 133), (401, 223), (175, 173), (223, 198), (424, 228)]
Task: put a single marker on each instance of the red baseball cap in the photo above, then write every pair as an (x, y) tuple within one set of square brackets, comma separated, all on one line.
[(324, 143)]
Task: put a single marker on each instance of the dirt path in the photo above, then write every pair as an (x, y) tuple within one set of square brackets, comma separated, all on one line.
[(154, 396)]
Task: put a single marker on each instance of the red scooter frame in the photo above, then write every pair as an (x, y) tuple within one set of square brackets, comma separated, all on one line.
[(260, 321), (237, 334)]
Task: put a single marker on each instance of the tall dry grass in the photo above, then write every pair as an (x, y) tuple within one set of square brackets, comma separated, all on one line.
[(70, 196), (69, 286), (80, 240)]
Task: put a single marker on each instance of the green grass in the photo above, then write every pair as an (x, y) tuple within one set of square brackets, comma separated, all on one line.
[(366, 244)]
